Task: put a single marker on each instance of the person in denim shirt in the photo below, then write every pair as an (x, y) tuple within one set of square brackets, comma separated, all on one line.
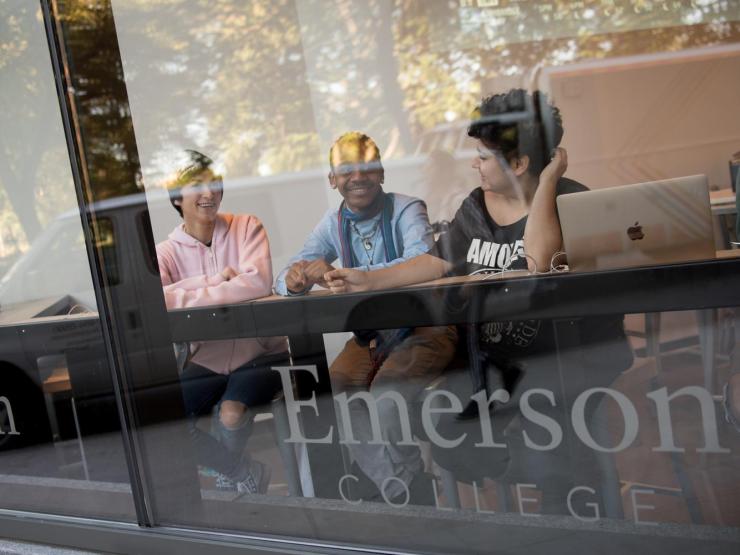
[(371, 230)]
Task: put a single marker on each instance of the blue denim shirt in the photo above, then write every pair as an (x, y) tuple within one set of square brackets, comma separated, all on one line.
[(411, 230)]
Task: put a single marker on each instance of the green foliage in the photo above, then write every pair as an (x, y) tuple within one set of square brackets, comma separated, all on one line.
[(446, 79), (239, 75), (111, 161)]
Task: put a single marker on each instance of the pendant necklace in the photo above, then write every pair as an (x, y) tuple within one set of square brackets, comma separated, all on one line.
[(367, 244)]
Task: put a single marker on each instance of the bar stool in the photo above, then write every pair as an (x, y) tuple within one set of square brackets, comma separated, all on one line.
[(706, 320), (55, 381)]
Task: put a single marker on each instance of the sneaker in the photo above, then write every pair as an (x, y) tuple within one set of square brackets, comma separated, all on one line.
[(224, 483), (256, 478), (212, 479)]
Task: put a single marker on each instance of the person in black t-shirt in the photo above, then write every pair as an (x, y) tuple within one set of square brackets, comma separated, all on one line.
[(510, 222)]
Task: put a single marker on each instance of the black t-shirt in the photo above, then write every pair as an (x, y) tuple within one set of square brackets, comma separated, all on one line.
[(475, 242)]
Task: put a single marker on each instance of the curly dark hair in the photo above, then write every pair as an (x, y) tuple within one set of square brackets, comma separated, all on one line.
[(197, 164), (519, 124)]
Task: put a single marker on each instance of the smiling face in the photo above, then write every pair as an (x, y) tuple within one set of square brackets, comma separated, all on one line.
[(356, 170), (359, 184), (201, 199)]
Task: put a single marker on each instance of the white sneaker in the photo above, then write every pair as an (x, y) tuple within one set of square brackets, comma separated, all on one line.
[(210, 479), (224, 483), (257, 478)]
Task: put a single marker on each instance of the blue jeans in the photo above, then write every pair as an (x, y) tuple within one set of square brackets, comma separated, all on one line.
[(252, 384)]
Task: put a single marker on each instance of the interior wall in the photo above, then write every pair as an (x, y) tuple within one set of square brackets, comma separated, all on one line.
[(650, 117)]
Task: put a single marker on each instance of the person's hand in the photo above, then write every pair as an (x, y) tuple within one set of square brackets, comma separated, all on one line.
[(557, 166), (347, 280), (295, 279), (315, 270), (229, 273)]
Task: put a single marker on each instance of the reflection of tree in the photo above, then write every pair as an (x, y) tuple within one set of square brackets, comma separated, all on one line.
[(12, 237), (236, 69), (445, 80), (237, 79), (240, 85), (24, 112), (241, 89), (352, 67), (100, 98), (435, 83)]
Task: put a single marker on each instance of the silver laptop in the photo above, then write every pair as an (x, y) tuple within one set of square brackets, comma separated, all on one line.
[(658, 222)]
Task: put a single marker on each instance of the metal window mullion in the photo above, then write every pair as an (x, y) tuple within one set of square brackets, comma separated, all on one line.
[(111, 336)]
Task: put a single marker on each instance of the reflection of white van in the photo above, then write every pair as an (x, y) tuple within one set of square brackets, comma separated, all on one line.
[(53, 279), (57, 265)]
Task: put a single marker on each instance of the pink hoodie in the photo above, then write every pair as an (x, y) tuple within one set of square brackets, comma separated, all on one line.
[(191, 276)]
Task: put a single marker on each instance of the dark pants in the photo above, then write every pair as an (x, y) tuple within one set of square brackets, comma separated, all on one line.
[(565, 373), (252, 384)]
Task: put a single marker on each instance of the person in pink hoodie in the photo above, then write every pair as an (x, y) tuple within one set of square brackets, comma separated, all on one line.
[(214, 259)]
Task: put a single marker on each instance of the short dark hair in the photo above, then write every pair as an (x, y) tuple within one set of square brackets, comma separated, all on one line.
[(518, 123), (197, 164)]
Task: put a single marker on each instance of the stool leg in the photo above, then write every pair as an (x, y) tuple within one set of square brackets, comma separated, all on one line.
[(287, 452), (449, 487), (52, 414), (610, 484), (79, 440), (504, 494), (652, 339), (706, 321)]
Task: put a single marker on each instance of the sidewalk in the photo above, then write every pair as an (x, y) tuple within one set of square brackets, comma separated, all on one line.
[(23, 548)]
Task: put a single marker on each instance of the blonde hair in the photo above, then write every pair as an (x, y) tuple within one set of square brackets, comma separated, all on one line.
[(353, 147)]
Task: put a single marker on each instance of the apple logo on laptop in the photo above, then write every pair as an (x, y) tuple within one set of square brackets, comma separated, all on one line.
[(635, 232)]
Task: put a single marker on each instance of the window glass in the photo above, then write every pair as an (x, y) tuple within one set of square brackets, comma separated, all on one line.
[(604, 374), (60, 443)]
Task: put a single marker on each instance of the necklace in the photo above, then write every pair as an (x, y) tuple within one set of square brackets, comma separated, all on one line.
[(367, 244)]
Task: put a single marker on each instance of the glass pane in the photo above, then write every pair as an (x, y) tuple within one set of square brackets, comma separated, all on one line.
[(602, 343), (60, 442)]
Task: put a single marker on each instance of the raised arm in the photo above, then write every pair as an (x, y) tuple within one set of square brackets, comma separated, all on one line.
[(542, 235)]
